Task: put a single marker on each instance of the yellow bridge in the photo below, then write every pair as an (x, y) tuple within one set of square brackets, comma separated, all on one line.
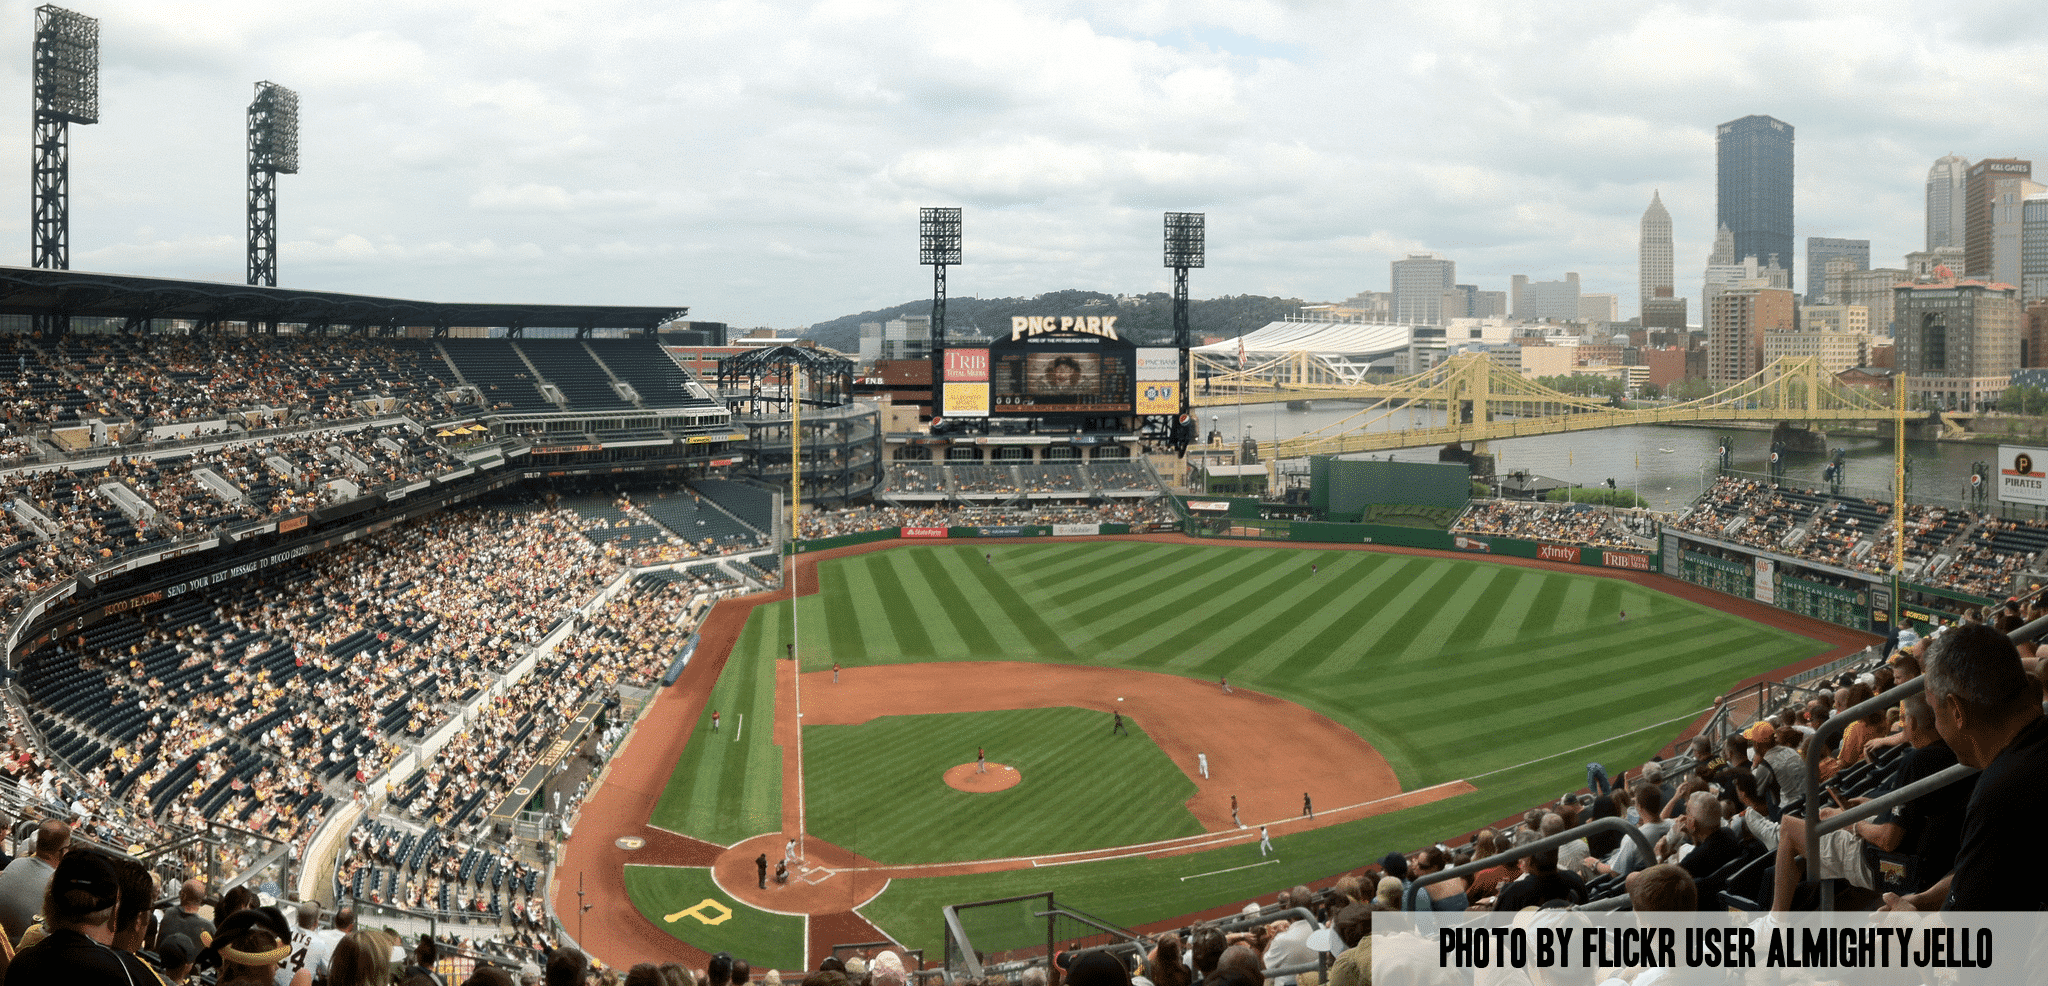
[(1485, 400)]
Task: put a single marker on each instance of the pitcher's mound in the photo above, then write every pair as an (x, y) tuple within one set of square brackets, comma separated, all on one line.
[(1000, 777)]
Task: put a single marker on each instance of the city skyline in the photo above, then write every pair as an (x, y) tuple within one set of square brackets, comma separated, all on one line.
[(524, 151)]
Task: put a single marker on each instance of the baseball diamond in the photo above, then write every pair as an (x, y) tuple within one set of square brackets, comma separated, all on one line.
[(1408, 692)]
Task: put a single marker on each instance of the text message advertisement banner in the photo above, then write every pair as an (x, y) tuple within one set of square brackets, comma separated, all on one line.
[(2022, 475), (1561, 946)]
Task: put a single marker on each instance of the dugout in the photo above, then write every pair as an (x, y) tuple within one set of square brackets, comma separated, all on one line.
[(1351, 491)]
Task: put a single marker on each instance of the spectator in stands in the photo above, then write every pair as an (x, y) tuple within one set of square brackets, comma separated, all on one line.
[(1288, 945), (362, 958), (566, 967), (23, 882), (741, 972), (1353, 966), (1207, 945), (1487, 882), (1663, 888), (1928, 828), (185, 918), (251, 945), (1541, 883), (1713, 844), (173, 958), (644, 974), (138, 896), (1165, 965), (1989, 713), (1443, 895), (80, 910), (1780, 776), (1628, 857)]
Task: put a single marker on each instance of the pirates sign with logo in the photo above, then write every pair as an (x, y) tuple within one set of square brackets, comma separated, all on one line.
[(2020, 476)]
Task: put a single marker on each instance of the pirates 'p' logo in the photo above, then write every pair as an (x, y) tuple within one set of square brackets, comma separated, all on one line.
[(700, 911)]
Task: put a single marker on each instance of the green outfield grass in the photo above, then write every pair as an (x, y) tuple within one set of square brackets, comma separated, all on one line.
[(727, 786), (878, 786), (1510, 677), (1448, 667), (766, 941)]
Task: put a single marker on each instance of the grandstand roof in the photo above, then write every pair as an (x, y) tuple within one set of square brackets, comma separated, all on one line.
[(33, 291), (1335, 338)]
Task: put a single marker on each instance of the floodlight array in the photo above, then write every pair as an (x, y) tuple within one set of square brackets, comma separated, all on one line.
[(67, 66), (1184, 239), (274, 129), (938, 237)]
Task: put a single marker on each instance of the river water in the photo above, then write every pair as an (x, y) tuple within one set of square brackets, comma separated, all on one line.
[(1669, 465)]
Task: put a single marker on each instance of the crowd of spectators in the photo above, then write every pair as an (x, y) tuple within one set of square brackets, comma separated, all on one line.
[(1946, 547), (854, 520), (134, 384), (1563, 523), (1019, 478), (312, 680)]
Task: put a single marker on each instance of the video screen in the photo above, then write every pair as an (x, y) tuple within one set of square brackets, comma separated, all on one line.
[(1061, 381)]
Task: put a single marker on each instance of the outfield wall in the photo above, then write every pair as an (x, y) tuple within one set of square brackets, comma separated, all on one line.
[(1842, 596)]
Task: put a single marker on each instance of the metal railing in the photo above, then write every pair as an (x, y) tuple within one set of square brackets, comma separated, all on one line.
[(1594, 827), (1817, 746)]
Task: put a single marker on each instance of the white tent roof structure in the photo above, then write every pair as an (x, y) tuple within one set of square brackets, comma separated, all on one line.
[(1296, 351), (1351, 339)]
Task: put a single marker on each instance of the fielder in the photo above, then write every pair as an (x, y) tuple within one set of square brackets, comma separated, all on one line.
[(1265, 841), (1202, 760)]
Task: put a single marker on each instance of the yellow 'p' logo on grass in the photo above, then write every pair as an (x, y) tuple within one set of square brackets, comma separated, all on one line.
[(700, 910)]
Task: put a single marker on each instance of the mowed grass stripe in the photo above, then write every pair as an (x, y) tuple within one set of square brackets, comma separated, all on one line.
[(898, 614), (722, 790), (1481, 670), (1200, 638), (1147, 608), (1545, 611), (1329, 651), (930, 613), (1399, 598), (1481, 599), (842, 614), (1506, 623), (1069, 562), (965, 616), (1277, 629), (1049, 645), (1092, 585)]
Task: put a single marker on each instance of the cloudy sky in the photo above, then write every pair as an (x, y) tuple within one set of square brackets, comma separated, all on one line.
[(763, 163)]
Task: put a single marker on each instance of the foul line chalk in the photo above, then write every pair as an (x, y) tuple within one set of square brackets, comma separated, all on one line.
[(1588, 746), (1233, 869), (738, 729)]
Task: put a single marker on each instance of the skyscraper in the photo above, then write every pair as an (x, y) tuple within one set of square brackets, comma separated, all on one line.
[(1958, 343), (1419, 283), (1820, 250), (1945, 202), (1993, 193), (1654, 257), (1754, 160)]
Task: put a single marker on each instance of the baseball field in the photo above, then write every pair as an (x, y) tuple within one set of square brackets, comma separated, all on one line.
[(1410, 696)]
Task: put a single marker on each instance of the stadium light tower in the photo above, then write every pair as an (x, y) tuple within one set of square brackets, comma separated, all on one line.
[(938, 247), (1186, 243), (67, 91), (273, 151)]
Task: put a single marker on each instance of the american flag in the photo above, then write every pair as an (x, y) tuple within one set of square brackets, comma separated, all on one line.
[(1240, 354)]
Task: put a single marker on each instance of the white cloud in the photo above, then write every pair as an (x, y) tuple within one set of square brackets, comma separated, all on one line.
[(762, 160)]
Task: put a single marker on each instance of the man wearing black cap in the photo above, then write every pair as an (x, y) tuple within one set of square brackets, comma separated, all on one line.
[(761, 868), (80, 909)]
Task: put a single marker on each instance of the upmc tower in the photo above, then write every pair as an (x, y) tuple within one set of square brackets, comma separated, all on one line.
[(1754, 155)]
